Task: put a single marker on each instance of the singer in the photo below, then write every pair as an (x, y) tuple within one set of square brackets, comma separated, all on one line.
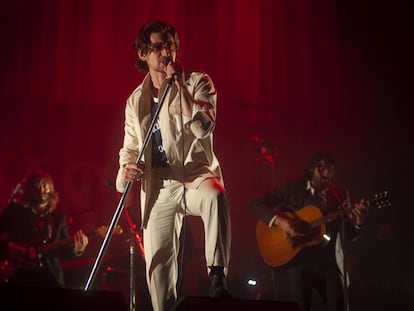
[(317, 266), (179, 172)]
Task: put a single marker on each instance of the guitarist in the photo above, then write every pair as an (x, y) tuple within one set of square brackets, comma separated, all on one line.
[(31, 221), (315, 268)]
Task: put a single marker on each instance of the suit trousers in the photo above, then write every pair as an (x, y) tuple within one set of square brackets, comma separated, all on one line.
[(170, 202)]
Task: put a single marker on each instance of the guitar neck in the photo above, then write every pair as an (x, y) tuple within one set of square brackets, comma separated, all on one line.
[(53, 246), (58, 244), (379, 200), (100, 231)]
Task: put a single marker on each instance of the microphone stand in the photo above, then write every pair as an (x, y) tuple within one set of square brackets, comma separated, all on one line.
[(343, 219), (120, 205), (135, 238)]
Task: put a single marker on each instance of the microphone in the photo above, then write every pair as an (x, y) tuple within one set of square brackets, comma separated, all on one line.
[(176, 66), (166, 60)]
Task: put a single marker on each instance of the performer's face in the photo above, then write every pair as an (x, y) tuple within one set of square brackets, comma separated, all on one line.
[(41, 193), (321, 174), (159, 49)]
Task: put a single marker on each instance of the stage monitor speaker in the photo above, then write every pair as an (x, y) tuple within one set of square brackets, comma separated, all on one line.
[(48, 299), (208, 304)]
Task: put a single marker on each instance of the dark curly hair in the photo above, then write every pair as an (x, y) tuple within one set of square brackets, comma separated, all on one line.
[(143, 40)]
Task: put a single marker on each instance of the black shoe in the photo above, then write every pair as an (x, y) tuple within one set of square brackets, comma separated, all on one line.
[(218, 286)]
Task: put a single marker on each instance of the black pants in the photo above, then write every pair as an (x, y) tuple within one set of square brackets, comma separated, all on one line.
[(313, 287)]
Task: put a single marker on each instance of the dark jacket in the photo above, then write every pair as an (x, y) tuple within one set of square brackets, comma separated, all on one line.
[(22, 226), (292, 196)]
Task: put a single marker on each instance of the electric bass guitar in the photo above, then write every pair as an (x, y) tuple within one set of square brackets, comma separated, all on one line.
[(277, 249), (32, 254)]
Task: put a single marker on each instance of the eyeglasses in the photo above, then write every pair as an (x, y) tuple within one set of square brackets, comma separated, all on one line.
[(159, 46)]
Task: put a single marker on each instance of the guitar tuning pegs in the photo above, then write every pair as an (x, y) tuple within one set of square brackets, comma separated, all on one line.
[(382, 199)]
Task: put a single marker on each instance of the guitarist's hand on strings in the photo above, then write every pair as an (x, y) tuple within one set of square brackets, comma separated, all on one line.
[(291, 226)]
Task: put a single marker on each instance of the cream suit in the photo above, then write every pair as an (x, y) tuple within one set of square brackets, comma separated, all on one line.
[(188, 142)]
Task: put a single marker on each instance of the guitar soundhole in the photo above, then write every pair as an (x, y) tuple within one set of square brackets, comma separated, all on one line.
[(312, 237)]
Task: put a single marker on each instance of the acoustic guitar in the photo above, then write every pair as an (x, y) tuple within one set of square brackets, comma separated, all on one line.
[(32, 254), (277, 249)]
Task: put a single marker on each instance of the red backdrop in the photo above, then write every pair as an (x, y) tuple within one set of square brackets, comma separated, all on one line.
[(295, 74)]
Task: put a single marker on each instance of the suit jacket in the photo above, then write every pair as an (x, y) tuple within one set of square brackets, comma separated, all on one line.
[(192, 134)]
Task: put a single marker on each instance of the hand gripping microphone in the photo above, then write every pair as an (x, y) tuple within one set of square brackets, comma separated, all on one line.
[(166, 60), (176, 66)]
